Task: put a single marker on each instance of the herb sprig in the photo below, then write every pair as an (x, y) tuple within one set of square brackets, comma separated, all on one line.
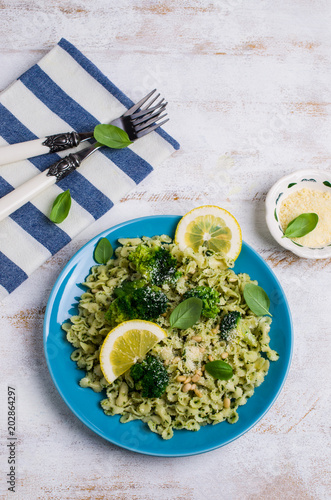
[(103, 251), (186, 314), (301, 225), (257, 299), (111, 136), (61, 207), (219, 369)]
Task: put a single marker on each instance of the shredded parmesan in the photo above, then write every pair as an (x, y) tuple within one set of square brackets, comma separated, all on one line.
[(307, 201), (192, 355)]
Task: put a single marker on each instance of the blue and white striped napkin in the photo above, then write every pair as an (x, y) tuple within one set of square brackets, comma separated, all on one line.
[(65, 91)]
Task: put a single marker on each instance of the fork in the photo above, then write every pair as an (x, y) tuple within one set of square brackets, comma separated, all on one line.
[(132, 121), (136, 122)]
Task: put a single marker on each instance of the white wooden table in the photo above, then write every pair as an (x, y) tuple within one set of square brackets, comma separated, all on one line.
[(248, 85)]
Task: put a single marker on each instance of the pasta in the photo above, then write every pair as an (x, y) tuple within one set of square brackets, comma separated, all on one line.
[(183, 352)]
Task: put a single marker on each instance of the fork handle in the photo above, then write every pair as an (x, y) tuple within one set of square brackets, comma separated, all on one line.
[(24, 193), (22, 150), (27, 191), (49, 144), (34, 186)]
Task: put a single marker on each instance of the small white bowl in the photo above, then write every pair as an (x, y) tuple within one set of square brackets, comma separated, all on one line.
[(313, 179)]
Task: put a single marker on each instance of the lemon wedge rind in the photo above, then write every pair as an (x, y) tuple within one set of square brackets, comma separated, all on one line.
[(127, 343), (210, 226)]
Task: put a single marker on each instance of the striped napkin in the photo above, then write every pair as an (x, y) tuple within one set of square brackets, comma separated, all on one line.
[(65, 91)]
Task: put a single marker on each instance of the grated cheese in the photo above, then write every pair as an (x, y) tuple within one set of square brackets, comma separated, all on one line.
[(192, 355), (307, 201)]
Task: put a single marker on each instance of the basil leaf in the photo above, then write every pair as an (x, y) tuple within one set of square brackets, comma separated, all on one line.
[(301, 225), (186, 314), (61, 207), (219, 369), (111, 136), (103, 251), (257, 299)]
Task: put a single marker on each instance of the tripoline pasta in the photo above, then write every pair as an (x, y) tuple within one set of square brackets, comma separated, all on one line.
[(180, 352)]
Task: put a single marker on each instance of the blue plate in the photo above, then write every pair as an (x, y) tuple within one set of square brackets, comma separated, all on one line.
[(136, 436)]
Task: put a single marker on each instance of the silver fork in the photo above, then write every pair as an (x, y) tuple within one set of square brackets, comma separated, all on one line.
[(136, 122)]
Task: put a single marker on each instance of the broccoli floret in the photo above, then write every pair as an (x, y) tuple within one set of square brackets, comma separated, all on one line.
[(127, 287), (119, 310), (210, 300), (155, 264), (151, 376), (229, 325), (149, 302), (136, 300), (137, 371)]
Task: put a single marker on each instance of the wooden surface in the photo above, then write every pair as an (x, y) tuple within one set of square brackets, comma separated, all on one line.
[(248, 85)]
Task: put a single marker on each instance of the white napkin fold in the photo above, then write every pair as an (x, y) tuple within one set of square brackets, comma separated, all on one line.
[(65, 91)]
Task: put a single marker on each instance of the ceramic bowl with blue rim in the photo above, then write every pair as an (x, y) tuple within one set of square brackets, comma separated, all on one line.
[(311, 179)]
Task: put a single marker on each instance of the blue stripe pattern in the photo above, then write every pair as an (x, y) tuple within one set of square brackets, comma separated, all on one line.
[(41, 228), (11, 276), (107, 84), (5, 187), (86, 194), (43, 87), (81, 189), (36, 223), (11, 129)]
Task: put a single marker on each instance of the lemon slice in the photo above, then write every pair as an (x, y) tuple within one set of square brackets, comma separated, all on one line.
[(212, 227), (126, 344)]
